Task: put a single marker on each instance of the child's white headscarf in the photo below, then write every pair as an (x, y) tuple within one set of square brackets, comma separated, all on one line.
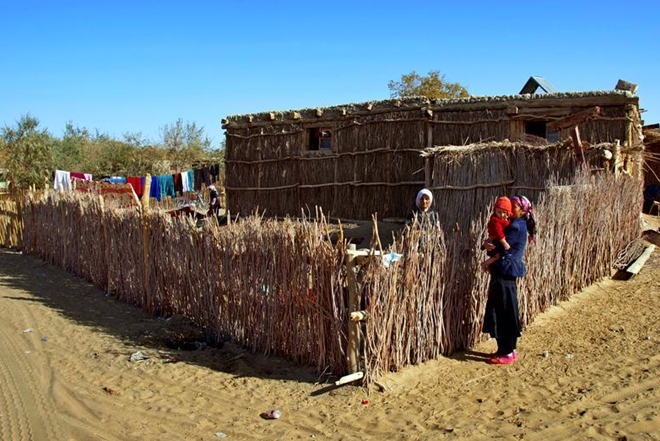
[(422, 192)]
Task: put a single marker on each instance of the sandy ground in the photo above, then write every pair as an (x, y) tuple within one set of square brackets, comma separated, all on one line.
[(609, 388)]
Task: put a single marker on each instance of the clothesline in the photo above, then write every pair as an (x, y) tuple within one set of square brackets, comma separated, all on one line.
[(164, 185)]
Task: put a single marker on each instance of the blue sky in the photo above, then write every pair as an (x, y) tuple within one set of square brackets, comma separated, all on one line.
[(135, 66)]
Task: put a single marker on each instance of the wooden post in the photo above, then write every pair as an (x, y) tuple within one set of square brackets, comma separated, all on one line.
[(20, 225), (353, 327), (577, 146), (147, 304), (106, 244)]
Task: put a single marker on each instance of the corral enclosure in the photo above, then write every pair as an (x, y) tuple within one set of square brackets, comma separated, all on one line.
[(358, 159)]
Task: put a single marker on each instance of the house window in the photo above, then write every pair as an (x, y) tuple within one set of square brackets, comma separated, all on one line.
[(540, 129), (320, 138)]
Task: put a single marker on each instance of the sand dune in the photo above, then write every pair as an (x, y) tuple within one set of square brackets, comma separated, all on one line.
[(609, 387)]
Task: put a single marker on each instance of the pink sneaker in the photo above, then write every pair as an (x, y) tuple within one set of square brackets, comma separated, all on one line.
[(494, 354), (504, 359)]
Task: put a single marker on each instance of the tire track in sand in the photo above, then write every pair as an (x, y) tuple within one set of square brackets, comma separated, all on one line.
[(28, 413)]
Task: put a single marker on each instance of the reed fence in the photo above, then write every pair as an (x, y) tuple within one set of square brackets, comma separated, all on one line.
[(281, 287)]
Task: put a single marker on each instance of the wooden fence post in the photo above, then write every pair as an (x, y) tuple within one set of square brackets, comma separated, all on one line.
[(147, 302), (19, 220), (353, 327), (106, 245)]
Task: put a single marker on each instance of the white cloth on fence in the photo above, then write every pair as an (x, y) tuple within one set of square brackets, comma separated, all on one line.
[(62, 180), (88, 176)]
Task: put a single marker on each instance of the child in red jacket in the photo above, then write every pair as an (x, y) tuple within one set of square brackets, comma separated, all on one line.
[(498, 221)]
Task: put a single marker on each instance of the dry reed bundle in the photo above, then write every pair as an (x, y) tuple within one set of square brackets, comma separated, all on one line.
[(11, 219)]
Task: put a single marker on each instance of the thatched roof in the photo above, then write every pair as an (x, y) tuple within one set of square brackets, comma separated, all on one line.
[(365, 108)]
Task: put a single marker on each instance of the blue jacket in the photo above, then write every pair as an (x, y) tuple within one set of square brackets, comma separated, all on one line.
[(511, 263)]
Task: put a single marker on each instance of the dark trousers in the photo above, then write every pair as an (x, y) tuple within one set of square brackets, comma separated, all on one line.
[(501, 320)]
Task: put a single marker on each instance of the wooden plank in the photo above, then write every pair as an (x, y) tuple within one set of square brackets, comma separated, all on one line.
[(637, 265)]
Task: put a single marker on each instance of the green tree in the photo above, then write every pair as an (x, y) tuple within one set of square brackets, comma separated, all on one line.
[(69, 151), (186, 144), (433, 86), (28, 153)]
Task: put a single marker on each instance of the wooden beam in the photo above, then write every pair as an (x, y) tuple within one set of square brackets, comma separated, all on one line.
[(574, 119)]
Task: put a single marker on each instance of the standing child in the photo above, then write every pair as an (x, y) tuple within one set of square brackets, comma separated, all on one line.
[(498, 221)]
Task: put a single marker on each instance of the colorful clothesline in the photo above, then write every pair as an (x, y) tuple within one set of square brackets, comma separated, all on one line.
[(164, 185)]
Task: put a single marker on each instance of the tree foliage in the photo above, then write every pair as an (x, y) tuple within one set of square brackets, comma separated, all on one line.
[(27, 153), (433, 86)]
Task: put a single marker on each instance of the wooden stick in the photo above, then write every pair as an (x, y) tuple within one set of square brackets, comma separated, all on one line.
[(472, 187), (328, 184), (323, 156)]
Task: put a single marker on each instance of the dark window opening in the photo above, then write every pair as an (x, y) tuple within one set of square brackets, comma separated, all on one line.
[(540, 129), (320, 138), (536, 128)]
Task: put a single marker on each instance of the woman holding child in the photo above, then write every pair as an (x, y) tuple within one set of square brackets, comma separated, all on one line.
[(506, 265)]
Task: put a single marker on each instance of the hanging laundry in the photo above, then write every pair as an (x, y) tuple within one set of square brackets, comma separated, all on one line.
[(155, 189), (215, 172), (187, 180), (117, 180), (166, 184), (178, 185), (137, 185), (83, 176), (202, 176), (62, 180)]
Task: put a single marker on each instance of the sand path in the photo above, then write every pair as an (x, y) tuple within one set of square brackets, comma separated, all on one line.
[(53, 390)]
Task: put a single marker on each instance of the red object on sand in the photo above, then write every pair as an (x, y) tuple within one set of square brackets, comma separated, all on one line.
[(365, 402)]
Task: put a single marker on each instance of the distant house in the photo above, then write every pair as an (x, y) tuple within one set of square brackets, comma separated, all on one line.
[(357, 159)]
